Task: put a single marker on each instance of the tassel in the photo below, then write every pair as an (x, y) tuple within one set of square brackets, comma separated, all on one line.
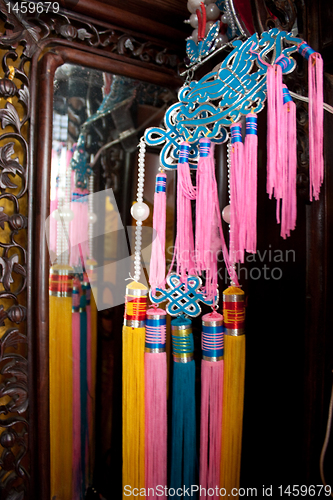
[(316, 118), (207, 238), (77, 465), (157, 260), (60, 369), (184, 245), (237, 195), (233, 387), (251, 152), (156, 402), (183, 437), (133, 387), (289, 202), (211, 403), (78, 227)]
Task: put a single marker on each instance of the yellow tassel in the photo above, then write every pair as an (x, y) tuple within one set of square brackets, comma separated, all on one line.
[(61, 382), (133, 387), (233, 388)]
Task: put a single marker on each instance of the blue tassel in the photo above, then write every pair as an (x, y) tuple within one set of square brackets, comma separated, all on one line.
[(83, 387), (183, 433)]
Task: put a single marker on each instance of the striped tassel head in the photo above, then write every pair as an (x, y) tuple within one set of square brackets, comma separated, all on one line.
[(135, 305), (182, 340), (155, 331), (234, 311), (251, 124), (212, 341), (160, 186), (184, 152), (236, 133), (286, 94), (204, 147), (61, 281), (76, 296), (305, 50)]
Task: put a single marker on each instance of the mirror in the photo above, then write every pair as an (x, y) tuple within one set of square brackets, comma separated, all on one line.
[(98, 119)]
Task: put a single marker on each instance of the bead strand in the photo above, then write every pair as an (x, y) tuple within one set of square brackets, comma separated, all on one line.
[(139, 211)]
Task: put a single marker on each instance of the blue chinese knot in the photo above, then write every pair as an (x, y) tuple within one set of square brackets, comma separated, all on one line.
[(237, 87), (183, 298)]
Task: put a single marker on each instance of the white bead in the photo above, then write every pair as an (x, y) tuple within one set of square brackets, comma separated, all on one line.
[(208, 26), (226, 214), (140, 211), (63, 214), (92, 218), (221, 40), (194, 35), (193, 5), (225, 19), (194, 20), (212, 12), (138, 223)]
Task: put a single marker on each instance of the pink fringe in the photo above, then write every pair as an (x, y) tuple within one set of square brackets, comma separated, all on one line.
[(211, 425), (79, 226), (184, 245), (157, 260), (237, 202), (251, 153), (289, 202), (207, 238), (156, 422), (316, 124)]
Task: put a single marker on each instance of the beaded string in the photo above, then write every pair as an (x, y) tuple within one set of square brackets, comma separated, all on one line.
[(139, 210)]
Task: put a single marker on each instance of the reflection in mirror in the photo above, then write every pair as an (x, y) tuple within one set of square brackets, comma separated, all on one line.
[(98, 119)]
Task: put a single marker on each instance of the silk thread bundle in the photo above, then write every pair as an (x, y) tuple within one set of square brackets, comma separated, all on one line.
[(233, 387), (184, 244), (207, 238), (212, 367), (183, 424), (157, 260), (77, 465), (276, 140), (60, 369), (288, 131), (78, 228), (251, 162), (316, 118), (83, 387), (134, 387), (237, 195), (155, 402)]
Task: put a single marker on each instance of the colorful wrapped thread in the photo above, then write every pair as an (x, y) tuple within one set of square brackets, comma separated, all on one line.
[(233, 387), (134, 386), (212, 367), (155, 401), (183, 439)]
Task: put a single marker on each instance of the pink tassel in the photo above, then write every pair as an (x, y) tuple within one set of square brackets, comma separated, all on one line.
[(157, 260), (237, 195), (207, 238), (212, 367), (316, 118), (155, 402), (288, 131), (77, 466), (251, 153), (184, 245), (79, 226)]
